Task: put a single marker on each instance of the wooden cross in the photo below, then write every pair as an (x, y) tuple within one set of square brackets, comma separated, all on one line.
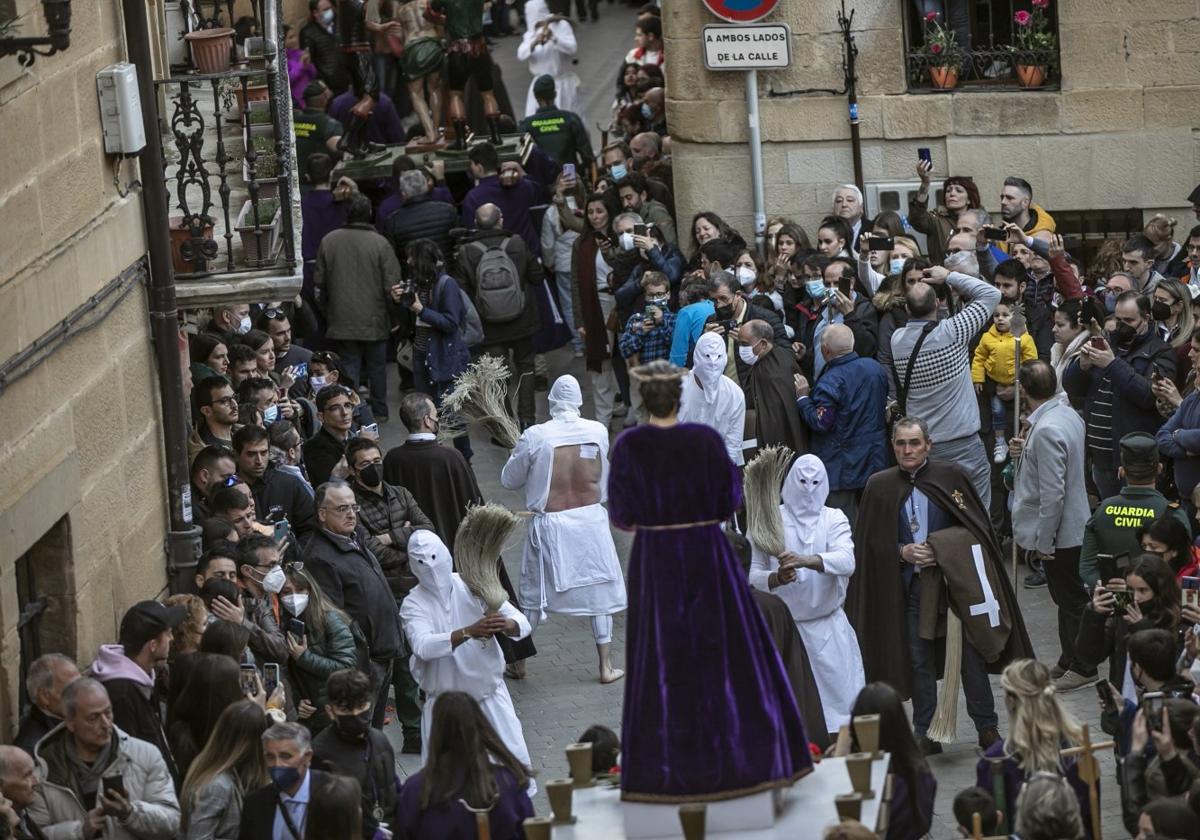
[(1089, 771)]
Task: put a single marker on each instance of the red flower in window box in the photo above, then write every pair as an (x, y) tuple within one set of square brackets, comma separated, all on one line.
[(1022, 18)]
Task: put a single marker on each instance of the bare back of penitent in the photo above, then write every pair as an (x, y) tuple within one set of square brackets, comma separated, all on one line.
[(575, 477)]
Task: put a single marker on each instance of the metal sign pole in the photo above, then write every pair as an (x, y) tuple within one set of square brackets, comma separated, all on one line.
[(756, 164)]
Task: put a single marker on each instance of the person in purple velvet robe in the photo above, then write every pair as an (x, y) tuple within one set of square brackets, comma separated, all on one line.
[(709, 712)]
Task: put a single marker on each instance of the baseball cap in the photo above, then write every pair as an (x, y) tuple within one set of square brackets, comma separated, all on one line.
[(543, 86), (147, 619)]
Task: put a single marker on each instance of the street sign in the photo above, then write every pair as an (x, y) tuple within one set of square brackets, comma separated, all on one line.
[(764, 46), (740, 11)]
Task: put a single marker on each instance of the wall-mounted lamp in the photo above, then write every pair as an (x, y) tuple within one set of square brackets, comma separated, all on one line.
[(58, 23)]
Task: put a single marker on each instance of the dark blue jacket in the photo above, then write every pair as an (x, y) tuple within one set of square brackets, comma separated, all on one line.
[(1134, 407), (1179, 439), (447, 355), (669, 260), (846, 413)]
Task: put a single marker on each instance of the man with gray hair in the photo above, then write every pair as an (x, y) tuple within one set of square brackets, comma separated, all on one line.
[(77, 763), (419, 217), (848, 205), (44, 681), (846, 415), (18, 785), (937, 385), (279, 811), (769, 385)]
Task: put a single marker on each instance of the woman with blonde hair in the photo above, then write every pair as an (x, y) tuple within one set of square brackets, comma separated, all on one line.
[(230, 765), (1038, 728)]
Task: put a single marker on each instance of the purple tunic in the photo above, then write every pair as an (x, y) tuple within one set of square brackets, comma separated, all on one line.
[(451, 821), (709, 712)]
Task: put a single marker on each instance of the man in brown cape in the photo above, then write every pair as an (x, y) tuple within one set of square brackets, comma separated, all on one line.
[(923, 544)]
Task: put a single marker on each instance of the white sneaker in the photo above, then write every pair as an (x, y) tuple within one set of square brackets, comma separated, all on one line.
[(1000, 453)]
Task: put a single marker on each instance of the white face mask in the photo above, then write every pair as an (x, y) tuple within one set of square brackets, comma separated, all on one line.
[(244, 325), (746, 354), (626, 241), (317, 382), (295, 604), (746, 275), (270, 414), (896, 265), (274, 580)]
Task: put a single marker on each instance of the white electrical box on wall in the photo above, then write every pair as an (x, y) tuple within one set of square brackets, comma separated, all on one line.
[(120, 109)]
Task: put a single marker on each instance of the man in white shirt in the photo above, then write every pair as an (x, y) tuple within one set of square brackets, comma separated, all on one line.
[(570, 564)]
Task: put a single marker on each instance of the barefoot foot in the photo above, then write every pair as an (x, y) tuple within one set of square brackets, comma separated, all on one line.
[(611, 675)]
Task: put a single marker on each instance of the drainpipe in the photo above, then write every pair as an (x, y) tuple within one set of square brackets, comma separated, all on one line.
[(183, 540)]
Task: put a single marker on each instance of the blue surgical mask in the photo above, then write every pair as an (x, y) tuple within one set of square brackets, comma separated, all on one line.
[(896, 265), (1110, 303), (618, 171), (815, 289), (284, 778), (270, 414), (647, 111), (318, 382), (327, 16)]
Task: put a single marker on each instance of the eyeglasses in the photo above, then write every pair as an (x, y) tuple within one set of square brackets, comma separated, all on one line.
[(342, 510), (230, 400)]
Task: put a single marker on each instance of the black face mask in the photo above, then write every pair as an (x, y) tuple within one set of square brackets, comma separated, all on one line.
[(371, 475), (725, 313), (1160, 311), (353, 726), (1124, 333)]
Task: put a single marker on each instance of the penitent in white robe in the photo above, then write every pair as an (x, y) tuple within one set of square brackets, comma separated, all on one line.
[(552, 58), (816, 598), (570, 564), (720, 403), (430, 613)]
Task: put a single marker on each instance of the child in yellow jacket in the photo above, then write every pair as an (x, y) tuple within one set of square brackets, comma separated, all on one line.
[(995, 362)]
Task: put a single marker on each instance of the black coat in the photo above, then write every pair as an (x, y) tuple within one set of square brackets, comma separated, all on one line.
[(288, 493), (322, 452), (372, 762), (258, 809), (350, 577), (421, 218), (137, 712), (326, 54), (34, 726)]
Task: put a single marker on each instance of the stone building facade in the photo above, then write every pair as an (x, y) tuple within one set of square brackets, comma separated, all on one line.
[(1119, 132), (82, 485)]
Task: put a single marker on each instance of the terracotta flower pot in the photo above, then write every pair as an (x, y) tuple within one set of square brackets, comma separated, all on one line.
[(211, 49), (253, 93), (1031, 75), (944, 78)]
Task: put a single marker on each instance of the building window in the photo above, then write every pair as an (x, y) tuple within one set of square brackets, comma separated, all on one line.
[(1002, 44), (45, 599), (1095, 237)]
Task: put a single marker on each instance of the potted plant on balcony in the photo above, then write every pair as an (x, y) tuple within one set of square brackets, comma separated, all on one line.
[(1034, 46), (942, 53), (211, 49), (255, 90), (266, 167), (259, 231)]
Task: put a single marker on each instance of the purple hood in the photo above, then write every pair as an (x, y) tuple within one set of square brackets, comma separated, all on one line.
[(111, 663)]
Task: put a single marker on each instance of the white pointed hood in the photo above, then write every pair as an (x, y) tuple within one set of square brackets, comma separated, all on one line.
[(566, 398), (535, 12), (804, 492), (708, 364), (432, 564)]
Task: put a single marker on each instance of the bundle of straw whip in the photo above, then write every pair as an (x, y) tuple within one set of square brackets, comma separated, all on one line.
[(764, 486), (477, 546), (478, 394)]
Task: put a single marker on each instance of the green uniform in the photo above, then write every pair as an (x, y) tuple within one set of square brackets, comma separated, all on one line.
[(312, 128), (559, 134), (1112, 528)]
